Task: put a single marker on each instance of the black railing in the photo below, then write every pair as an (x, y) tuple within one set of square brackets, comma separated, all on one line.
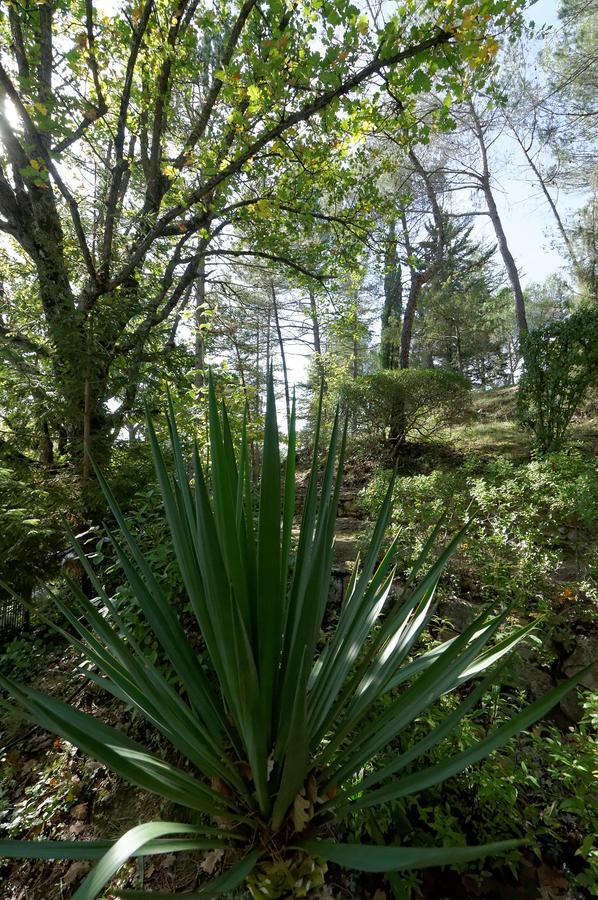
[(14, 617)]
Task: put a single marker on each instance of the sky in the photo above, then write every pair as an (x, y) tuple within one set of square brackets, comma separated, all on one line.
[(525, 215)]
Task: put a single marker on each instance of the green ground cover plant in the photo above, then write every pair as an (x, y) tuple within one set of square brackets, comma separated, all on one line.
[(531, 542), (526, 521), (276, 733), (542, 787)]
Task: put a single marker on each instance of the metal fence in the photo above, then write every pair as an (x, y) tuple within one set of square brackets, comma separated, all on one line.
[(13, 618)]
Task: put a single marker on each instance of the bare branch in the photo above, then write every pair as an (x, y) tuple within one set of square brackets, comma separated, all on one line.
[(274, 257)]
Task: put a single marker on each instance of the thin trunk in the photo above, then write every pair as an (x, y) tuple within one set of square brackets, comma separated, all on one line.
[(566, 239), (268, 340), (200, 321), (507, 257), (315, 328), (258, 385), (393, 302), (415, 288), (501, 237), (287, 394), (419, 279), (46, 448), (242, 377)]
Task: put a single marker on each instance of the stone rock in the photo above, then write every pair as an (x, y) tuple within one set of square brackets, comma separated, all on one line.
[(458, 613), (585, 653)]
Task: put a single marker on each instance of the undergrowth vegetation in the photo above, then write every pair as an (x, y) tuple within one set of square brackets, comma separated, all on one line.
[(530, 523), (277, 725), (532, 543)]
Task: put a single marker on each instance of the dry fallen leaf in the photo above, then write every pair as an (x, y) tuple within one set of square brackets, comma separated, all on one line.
[(76, 871), (553, 885), (301, 812), (379, 895), (222, 788), (211, 860), (79, 811)]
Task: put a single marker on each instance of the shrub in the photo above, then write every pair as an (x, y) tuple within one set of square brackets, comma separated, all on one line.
[(402, 403), (526, 518), (31, 536), (275, 736), (560, 365), (541, 787)]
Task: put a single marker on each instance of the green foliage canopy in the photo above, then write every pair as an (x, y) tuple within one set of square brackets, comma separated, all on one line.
[(133, 141)]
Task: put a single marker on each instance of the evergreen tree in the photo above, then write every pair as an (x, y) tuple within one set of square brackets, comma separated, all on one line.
[(459, 307)]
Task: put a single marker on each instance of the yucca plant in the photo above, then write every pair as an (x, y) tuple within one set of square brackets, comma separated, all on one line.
[(277, 730)]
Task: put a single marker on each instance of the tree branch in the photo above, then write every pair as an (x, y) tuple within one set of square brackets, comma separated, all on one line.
[(301, 115), (274, 257), (216, 86), (25, 343), (93, 113), (119, 144), (40, 144)]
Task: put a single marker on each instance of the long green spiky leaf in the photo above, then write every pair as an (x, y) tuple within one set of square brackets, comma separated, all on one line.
[(131, 842), (13, 849), (223, 884), (435, 681), (166, 625), (109, 746), (386, 859), (269, 580), (411, 784), (350, 697)]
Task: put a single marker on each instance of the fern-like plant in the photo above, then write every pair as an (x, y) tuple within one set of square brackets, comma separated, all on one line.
[(281, 732)]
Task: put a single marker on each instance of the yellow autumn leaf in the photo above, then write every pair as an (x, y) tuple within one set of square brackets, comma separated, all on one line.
[(262, 209), (35, 164)]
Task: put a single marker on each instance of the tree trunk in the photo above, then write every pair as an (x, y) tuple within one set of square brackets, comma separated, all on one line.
[(315, 328), (408, 319), (287, 394), (46, 448), (507, 257), (501, 237), (393, 303), (200, 321), (420, 278)]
